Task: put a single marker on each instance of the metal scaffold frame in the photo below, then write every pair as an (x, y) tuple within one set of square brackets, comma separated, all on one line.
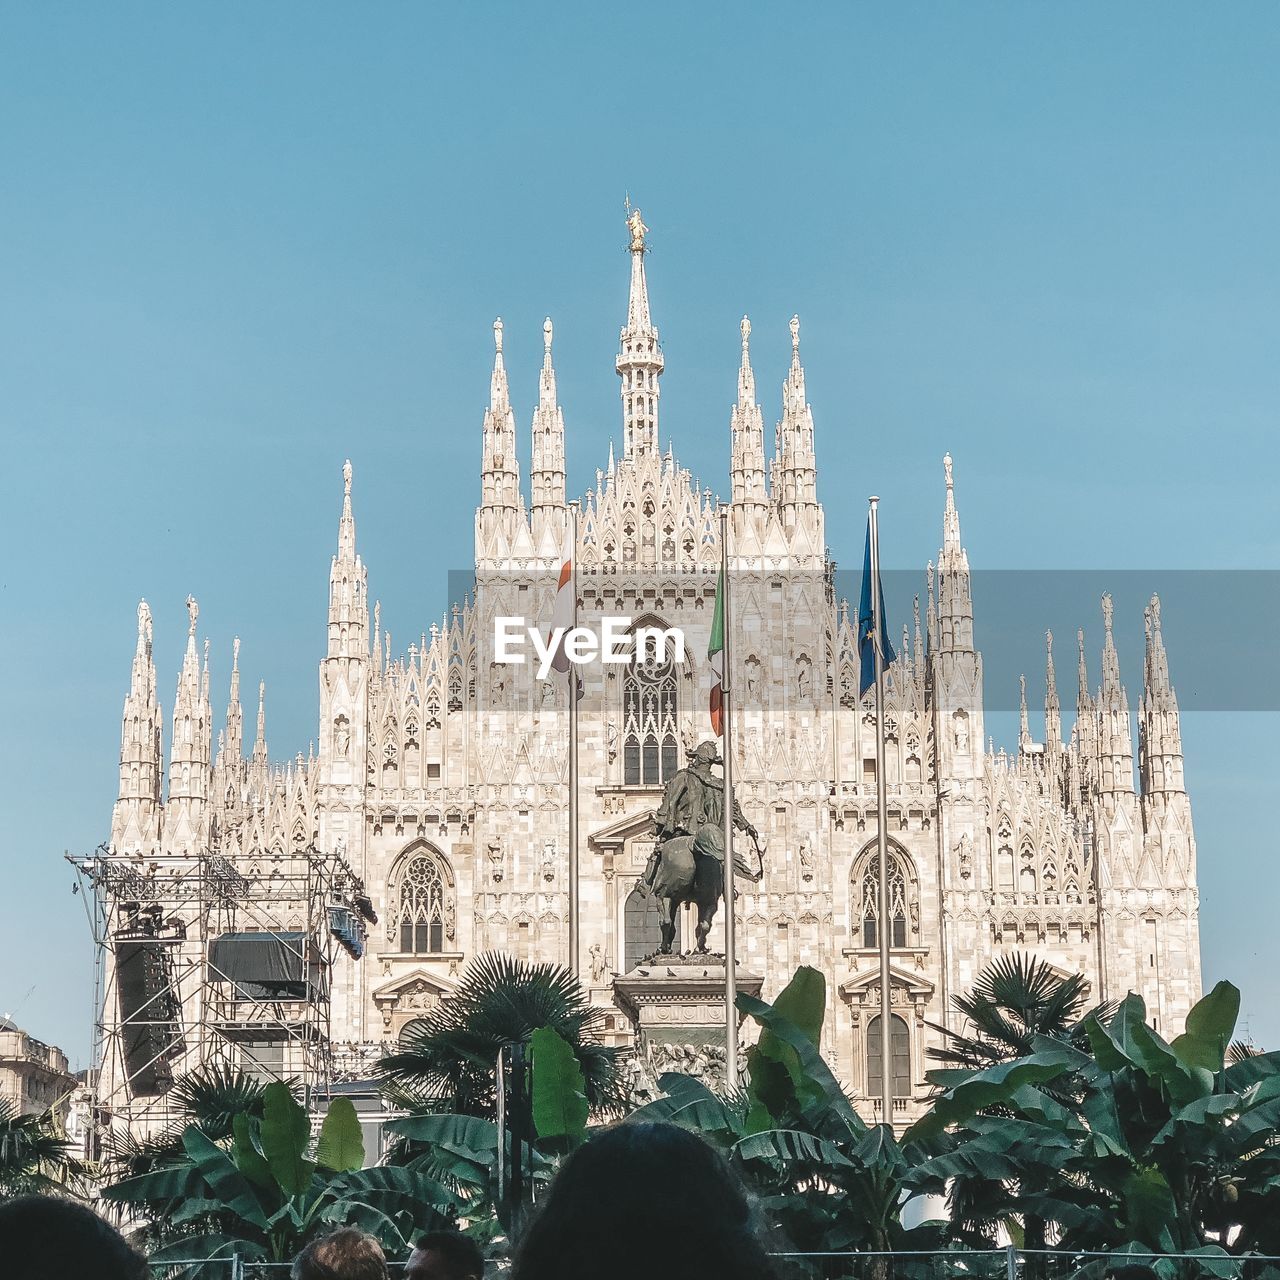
[(169, 1001)]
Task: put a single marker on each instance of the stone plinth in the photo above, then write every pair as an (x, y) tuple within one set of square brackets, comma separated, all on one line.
[(676, 1005)]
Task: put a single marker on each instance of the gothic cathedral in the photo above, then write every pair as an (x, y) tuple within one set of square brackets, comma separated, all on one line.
[(440, 774)]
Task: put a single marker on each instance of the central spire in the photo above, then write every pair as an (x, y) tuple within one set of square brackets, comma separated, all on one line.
[(639, 361)]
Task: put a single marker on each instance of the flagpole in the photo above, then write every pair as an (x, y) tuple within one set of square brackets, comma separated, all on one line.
[(730, 939), (882, 841), (572, 679)]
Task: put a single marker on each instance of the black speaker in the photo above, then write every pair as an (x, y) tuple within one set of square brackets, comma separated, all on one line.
[(150, 1030)]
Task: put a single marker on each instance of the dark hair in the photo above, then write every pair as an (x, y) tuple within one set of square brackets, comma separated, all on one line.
[(348, 1254), (639, 1200), (461, 1254), (44, 1236)]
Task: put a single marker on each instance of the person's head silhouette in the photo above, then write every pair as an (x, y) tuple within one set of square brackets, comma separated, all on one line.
[(42, 1236), (643, 1200)]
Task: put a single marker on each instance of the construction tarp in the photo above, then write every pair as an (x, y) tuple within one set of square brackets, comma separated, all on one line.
[(267, 966)]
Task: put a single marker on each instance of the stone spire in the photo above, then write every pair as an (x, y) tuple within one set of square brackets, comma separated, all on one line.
[(918, 654), (746, 467), (1052, 708), (955, 599), (186, 812), (797, 471), (233, 735), (500, 500), (955, 666), (931, 612), (1024, 720), (135, 822), (1084, 734), (639, 361), (1115, 740), (230, 770), (348, 607), (546, 476), (1159, 728), (259, 761)]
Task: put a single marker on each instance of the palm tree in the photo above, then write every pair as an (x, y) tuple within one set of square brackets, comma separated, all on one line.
[(1242, 1050), (1016, 998), (447, 1060), (209, 1098), (34, 1154)]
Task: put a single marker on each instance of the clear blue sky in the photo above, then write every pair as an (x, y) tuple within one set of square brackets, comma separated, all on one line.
[(239, 243)]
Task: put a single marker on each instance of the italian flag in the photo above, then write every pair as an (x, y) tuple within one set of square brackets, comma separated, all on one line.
[(564, 610), (715, 655)]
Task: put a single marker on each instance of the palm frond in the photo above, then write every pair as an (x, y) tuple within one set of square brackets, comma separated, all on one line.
[(447, 1060)]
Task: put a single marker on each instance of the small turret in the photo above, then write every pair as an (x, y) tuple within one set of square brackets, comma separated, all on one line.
[(746, 426), (546, 476), (1159, 727), (135, 821), (187, 809), (955, 598), (348, 584), (501, 509), (1115, 737), (1052, 708), (797, 495)]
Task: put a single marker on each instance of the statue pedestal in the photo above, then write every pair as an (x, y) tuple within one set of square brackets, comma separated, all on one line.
[(676, 1005)]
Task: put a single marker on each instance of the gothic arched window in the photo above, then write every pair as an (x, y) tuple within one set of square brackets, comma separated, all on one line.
[(424, 906), (901, 900), (650, 721), (900, 1049)]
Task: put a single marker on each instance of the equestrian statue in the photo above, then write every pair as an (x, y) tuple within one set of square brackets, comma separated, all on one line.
[(687, 863)]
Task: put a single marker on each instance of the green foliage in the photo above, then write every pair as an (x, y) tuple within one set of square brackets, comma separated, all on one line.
[(1016, 1000), (446, 1061), (461, 1154), (559, 1089), (1205, 1042), (341, 1144), (210, 1098), (259, 1192), (1162, 1147), (1087, 1131), (284, 1136), (34, 1155), (779, 1082), (1098, 1136)]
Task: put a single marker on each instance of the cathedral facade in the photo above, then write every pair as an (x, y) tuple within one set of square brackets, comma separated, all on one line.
[(440, 774)]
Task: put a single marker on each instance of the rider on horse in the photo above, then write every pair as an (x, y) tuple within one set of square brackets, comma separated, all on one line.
[(693, 805)]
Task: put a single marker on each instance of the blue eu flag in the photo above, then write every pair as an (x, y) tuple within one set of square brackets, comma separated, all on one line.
[(866, 623)]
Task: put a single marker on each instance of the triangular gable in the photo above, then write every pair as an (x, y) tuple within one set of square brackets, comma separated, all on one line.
[(616, 834)]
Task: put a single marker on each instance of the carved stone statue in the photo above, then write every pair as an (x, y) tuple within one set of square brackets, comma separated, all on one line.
[(687, 864), (599, 964), (496, 860)]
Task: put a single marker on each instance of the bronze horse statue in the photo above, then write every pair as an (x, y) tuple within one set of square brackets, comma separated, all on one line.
[(686, 875)]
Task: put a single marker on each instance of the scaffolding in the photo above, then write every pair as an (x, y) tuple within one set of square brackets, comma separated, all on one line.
[(203, 962)]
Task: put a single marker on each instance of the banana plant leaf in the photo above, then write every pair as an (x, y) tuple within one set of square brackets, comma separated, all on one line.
[(341, 1144), (285, 1134)]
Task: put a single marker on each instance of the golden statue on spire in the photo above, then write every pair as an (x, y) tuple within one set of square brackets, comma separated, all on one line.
[(638, 231)]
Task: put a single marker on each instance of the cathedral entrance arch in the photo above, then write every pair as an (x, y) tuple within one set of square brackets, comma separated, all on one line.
[(642, 928)]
